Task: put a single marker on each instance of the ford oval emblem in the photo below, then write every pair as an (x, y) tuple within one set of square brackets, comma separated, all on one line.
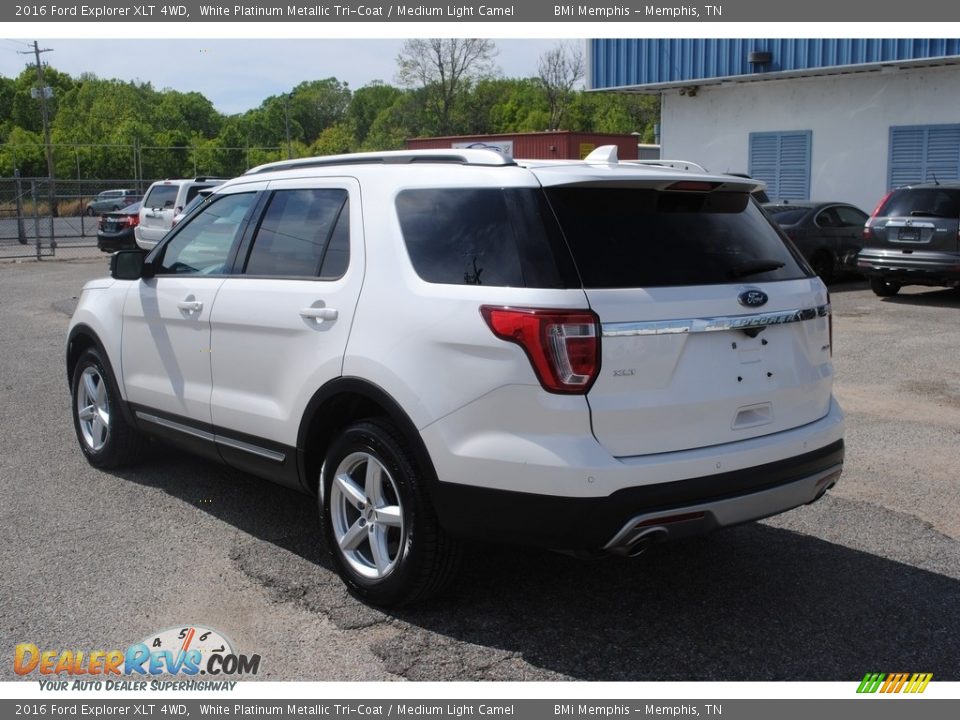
[(752, 298)]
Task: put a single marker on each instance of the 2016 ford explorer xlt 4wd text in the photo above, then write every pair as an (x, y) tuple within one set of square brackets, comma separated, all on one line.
[(440, 345)]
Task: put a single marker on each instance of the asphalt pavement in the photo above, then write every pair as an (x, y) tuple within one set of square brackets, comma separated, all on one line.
[(867, 579)]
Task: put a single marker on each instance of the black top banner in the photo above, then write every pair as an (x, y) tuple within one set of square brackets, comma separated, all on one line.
[(492, 11)]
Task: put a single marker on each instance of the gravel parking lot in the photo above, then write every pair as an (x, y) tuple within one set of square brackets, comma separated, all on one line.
[(868, 579)]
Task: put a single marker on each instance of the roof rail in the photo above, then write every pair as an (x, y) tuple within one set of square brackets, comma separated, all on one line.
[(675, 164), (465, 156)]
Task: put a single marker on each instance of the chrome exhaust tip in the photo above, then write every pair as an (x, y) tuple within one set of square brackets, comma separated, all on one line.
[(638, 544)]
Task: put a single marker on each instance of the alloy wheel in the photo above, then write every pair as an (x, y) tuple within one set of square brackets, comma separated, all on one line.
[(93, 409), (367, 516)]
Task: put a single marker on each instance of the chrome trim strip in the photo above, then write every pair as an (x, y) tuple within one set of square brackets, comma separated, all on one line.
[(185, 429), (252, 449), (712, 324), (210, 437)]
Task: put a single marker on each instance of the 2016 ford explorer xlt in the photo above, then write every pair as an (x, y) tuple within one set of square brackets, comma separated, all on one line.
[(439, 345)]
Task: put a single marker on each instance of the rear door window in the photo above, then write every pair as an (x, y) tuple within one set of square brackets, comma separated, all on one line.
[(639, 237), (304, 233), (850, 217), (787, 215)]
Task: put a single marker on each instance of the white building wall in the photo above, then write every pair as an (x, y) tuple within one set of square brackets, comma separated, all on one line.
[(849, 115)]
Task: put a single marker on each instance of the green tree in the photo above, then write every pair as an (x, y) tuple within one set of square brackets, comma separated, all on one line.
[(23, 151), (101, 119), (317, 105), (272, 124), (444, 69), (502, 106), (614, 113), (232, 156), (8, 89), (188, 112), (393, 125), (335, 140), (560, 70), (25, 110), (368, 102)]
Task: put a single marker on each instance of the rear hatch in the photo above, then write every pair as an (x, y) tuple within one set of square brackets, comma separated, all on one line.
[(917, 218), (156, 215), (713, 329)]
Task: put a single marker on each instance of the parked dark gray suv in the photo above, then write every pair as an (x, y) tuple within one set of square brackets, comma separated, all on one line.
[(913, 238)]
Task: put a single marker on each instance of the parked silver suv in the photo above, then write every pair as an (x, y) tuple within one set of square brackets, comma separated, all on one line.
[(913, 238), (585, 356), (165, 199)]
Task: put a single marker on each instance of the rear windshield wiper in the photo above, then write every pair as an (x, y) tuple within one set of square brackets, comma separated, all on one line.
[(755, 267)]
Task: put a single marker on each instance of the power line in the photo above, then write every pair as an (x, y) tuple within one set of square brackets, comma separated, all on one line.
[(18, 42)]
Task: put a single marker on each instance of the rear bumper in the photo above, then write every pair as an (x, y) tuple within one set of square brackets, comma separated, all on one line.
[(565, 491), (111, 242), (614, 523), (910, 266)]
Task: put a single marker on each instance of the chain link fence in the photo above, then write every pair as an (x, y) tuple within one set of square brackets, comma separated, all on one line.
[(36, 224), (42, 217)]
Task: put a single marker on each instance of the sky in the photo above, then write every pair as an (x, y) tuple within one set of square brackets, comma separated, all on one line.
[(236, 75)]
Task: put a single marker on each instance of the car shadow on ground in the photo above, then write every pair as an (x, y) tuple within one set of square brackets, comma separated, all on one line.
[(848, 284), (940, 297), (749, 603)]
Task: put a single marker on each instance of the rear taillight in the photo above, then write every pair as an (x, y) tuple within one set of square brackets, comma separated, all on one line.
[(867, 232), (876, 210), (131, 220), (563, 345)]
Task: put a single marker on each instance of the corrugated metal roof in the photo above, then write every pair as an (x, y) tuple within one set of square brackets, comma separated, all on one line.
[(649, 63)]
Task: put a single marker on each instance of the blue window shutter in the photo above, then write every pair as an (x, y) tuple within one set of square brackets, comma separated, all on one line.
[(782, 160), (763, 160), (943, 152), (922, 153)]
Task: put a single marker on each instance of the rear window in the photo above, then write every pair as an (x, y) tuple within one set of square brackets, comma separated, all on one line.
[(930, 202), (503, 237), (161, 196), (637, 237)]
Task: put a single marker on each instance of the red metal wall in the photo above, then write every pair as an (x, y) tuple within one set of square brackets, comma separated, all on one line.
[(560, 145)]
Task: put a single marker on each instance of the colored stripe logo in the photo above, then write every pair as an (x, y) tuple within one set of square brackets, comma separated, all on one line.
[(894, 682)]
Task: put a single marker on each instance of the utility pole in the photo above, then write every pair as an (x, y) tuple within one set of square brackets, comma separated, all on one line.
[(286, 123), (44, 92)]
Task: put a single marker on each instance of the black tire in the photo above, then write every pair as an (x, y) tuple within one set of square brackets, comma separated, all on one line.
[(823, 264), (108, 441), (884, 288), (423, 559)]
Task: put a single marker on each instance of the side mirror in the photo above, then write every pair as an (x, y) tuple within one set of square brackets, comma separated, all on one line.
[(129, 265)]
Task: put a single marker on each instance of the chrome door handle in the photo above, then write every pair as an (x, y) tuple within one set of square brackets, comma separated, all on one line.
[(319, 313), (190, 306)]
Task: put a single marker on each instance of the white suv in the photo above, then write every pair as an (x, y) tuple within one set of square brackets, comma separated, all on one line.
[(451, 344), (165, 199)]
